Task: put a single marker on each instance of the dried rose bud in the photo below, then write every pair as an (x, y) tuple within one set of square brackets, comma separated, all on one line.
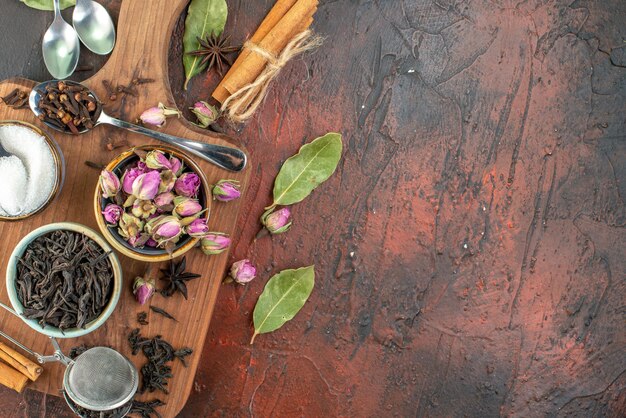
[(214, 243), (157, 115), (164, 199), (165, 229), (168, 179), (176, 166), (112, 213), (151, 243), (138, 240), (243, 271), (130, 226), (143, 208), (143, 289), (157, 160), (226, 190), (109, 183), (188, 184), (128, 178), (146, 186), (186, 206), (197, 229), (277, 222), (205, 113)]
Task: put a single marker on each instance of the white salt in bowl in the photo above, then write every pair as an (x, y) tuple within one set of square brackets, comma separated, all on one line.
[(23, 132)]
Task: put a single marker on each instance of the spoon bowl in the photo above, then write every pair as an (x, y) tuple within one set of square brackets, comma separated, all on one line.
[(60, 46), (228, 158), (94, 26)]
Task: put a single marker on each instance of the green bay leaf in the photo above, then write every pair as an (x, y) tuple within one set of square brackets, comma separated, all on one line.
[(283, 297), (204, 17), (310, 167), (47, 4)]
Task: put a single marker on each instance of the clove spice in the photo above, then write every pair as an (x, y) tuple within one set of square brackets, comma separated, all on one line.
[(69, 107)]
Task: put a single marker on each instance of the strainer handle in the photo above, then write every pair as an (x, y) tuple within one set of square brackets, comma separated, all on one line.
[(58, 354)]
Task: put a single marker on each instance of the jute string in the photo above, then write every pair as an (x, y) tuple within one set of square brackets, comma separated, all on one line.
[(242, 104)]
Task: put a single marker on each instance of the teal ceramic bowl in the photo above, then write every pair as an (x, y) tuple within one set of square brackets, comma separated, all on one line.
[(51, 331)]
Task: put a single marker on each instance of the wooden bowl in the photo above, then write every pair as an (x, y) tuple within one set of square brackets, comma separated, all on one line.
[(49, 330), (149, 254), (59, 163)]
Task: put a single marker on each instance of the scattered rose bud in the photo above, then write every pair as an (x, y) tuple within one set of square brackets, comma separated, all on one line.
[(226, 190), (243, 271), (157, 160), (205, 113), (146, 186), (186, 206), (112, 213), (143, 208), (277, 222), (176, 166), (165, 229), (168, 179), (130, 226), (157, 115), (187, 185), (143, 289), (109, 183), (164, 199), (198, 228), (214, 243)]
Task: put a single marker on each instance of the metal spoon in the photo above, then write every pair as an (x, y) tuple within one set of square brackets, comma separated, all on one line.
[(60, 46), (94, 26), (229, 158)]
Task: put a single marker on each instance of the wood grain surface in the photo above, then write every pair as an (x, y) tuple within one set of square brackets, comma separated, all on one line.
[(470, 249), (143, 55)]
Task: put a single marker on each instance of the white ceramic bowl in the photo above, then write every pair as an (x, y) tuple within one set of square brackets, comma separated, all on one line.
[(51, 331)]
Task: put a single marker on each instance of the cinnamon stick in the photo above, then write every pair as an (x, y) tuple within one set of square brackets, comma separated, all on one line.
[(19, 362), (286, 19), (11, 378)]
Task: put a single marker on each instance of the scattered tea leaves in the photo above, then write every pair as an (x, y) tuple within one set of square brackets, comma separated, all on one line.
[(283, 297), (142, 318), (47, 4), (162, 312), (310, 167), (204, 18)]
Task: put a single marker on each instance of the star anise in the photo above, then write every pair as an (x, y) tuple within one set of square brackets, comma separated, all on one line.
[(213, 49), (176, 276)]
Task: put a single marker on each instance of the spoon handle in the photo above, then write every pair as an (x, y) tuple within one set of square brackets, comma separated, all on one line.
[(229, 158), (57, 8)]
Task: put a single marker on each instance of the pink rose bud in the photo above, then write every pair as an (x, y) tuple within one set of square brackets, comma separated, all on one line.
[(198, 228), (187, 185), (146, 186), (205, 113), (112, 213), (176, 166), (157, 160), (143, 289), (109, 183), (214, 243), (143, 208), (226, 190), (164, 199), (157, 115), (151, 243), (186, 206), (168, 179), (277, 222), (165, 229), (243, 271)]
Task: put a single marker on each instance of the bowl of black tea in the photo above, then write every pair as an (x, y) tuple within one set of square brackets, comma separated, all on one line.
[(64, 280)]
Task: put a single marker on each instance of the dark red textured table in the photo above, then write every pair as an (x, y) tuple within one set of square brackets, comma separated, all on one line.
[(469, 250)]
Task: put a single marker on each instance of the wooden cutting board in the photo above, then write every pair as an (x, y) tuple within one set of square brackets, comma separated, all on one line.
[(143, 36)]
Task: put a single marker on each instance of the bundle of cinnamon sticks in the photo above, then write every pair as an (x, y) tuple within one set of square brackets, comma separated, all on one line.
[(283, 34), (16, 369)]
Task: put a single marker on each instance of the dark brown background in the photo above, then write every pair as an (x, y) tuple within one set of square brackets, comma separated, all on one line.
[(470, 249)]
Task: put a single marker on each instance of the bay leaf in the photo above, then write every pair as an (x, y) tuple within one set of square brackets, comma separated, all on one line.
[(283, 297), (204, 17), (47, 4), (310, 167)]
